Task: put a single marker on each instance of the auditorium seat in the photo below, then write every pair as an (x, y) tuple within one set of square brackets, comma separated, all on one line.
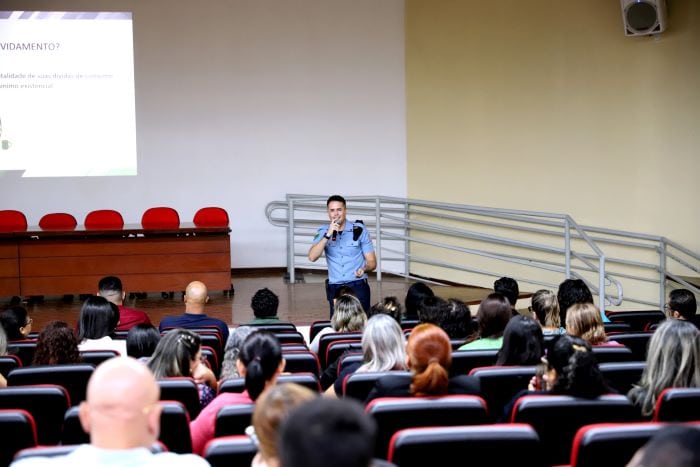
[(181, 389), (499, 384), (337, 348), (160, 217), (103, 219), (12, 221), (620, 376), (610, 443), (359, 385), (613, 353), (95, 357), (316, 326), (18, 432), (678, 405), (637, 342), (58, 221), (326, 339), (274, 327), (73, 377), (73, 432), (47, 403), (24, 350), (233, 419), (230, 451), (308, 380), (9, 363), (638, 320), (211, 216), (464, 361), (301, 362)]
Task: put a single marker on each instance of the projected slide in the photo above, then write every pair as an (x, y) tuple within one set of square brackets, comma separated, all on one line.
[(67, 94)]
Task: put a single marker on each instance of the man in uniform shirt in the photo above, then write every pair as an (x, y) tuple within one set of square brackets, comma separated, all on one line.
[(349, 252)]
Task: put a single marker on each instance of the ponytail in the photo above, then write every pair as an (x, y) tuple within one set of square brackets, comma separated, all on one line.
[(261, 354), (434, 380)]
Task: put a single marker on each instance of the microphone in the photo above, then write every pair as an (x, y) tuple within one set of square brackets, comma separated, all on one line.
[(335, 232)]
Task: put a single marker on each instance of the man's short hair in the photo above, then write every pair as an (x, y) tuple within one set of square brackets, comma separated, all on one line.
[(324, 432), (264, 303), (507, 287), (110, 284), (673, 446), (682, 301), (335, 198)]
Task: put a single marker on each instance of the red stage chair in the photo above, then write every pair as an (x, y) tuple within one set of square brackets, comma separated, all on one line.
[(58, 221), (160, 217), (12, 221), (104, 219), (211, 217)]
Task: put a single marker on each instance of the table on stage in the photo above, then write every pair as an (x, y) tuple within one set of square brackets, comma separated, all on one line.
[(48, 262)]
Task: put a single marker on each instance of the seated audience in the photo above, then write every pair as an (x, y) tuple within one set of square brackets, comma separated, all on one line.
[(508, 287), (671, 446), (179, 353), (429, 359), (673, 361), (433, 310), (57, 344), (545, 309), (97, 321), (264, 304), (233, 346), (389, 306), (383, 349), (458, 323), (523, 343), (492, 317), (260, 362), (196, 298), (3, 351), (349, 316), (583, 320), (122, 416), (110, 287), (324, 432), (141, 341), (681, 305), (416, 293), (16, 322), (571, 292), (271, 408)]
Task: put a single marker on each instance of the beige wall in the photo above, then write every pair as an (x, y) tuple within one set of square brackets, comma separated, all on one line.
[(548, 106)]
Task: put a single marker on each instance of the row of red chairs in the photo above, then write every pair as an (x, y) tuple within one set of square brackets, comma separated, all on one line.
[(158, 217)]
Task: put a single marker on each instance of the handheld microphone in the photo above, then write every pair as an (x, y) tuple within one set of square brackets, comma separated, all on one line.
[(335, 232)]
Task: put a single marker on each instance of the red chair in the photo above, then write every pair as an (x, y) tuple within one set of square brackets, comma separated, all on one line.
[(104, 219), (12, 221), (160, 217), (58, 221), (211, 217)]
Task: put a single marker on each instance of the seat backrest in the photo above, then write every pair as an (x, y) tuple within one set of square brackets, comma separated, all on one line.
[(337, 348), (638, 320), (290, 337), (620, 376), (499, 384), (104, 219), (24, 350), (274, 327), (617, 327), (12, 221), (407, 324), (316, 326), (396, 413), (9, 363), (212, 359), (301, 362), (73, 377), (95, 357), (175, 427), (46, 403), (58, 221), (359, 385), (637, 342), (350, 359), (230, 451), (160, 217), (613, 353), (504, 444), (678, 405), (309, 380), (233, 419), (18, 432), (211, 216), (464, 361), (557, 418), (326, 339), (610, 443), (183, 390), (73, 432)]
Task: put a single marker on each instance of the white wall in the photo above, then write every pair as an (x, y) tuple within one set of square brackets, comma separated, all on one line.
[(240, 102)]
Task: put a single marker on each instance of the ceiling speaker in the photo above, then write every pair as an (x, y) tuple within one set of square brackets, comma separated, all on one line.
[(643, 17)]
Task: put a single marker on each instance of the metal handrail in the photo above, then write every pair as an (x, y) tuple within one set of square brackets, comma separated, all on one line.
[(400, 225)]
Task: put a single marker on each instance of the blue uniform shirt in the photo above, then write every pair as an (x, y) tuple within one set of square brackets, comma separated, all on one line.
[(344, 255)]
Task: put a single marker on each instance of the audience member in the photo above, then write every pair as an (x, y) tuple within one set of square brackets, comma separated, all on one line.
[(234, 343), (673, 361), (179, 353), (3, 351), (57, 344), (97, 321), (458, 323), (271, 408), (545, 309), (16, 322), (571, 292), (508, 287), (671, 446), (523, 343), (324, 432), (681, 304), (264, 304), (259, 362), (349, 316), (433, 310), (415, 294), (493, 315), (429, 358), (383, 349), (196, 298), (583, 320), (110, 287), (122, 416), (141, 341), (389, 306)]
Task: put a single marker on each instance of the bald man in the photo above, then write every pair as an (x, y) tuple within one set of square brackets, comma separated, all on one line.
[(196, 298), (121, 428)]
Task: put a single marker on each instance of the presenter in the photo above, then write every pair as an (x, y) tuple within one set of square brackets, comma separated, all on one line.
[(349, 253)]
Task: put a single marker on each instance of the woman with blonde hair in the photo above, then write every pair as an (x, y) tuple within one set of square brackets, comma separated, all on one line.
[(429, 358), (583, 320), (545, 309), (673, 361), (349, 316)]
